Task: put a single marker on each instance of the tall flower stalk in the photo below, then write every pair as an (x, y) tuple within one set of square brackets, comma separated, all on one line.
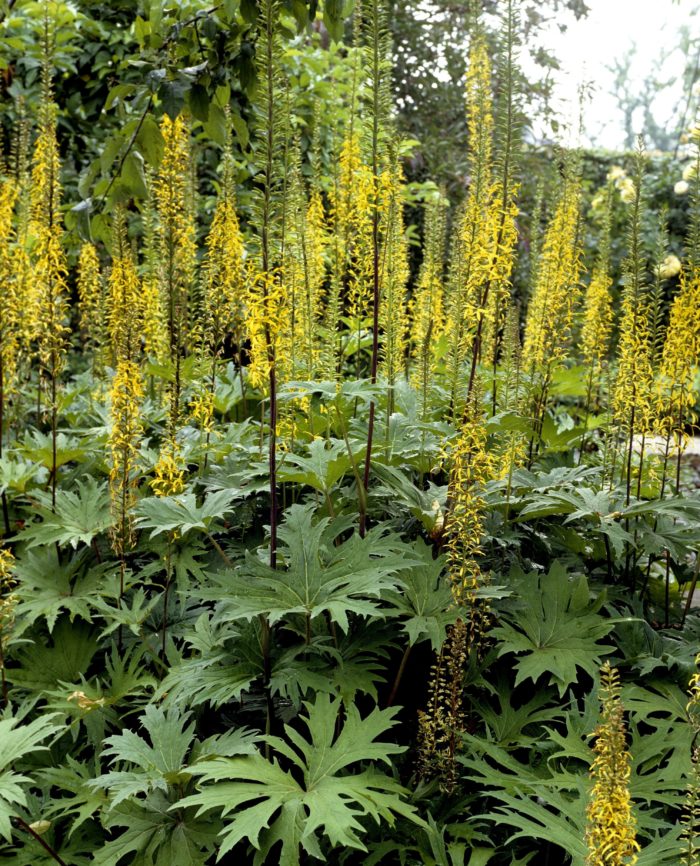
[(90, 300), (611, 829), (427, 307), (8, 313), (597, 321), (632, 393), (172, 191), (377, 54), (551, 309), (393, 318), (49, 266)]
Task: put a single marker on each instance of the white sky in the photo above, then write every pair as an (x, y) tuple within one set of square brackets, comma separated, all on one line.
[(609, 30)]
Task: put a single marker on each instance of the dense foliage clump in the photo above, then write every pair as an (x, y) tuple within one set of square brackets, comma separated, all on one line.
[(341, 521)]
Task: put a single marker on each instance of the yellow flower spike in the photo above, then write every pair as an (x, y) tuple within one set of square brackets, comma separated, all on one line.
[(472, 467), (393, 314), (89, 286), (224, 275), (124, 441), (482, 259), (10, 308), (169, 473), (202, 410), (690, 846), (550, 312), (7, 567), (124, 300), (597, 320), (264, 322), (49, 290), (427, 306), (352, 206), (177, 246), (680, 361), (611, 828)]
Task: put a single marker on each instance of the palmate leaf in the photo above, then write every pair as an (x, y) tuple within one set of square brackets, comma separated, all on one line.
[(47, 588), (155, 836), (38, 447), (181, 513), (321, 469), (268, 805), (16, 741), (41, 666), (556, 631), (154, 764), (77, 518), (425, 601), (74, 778), (18, 475), (315, 577)]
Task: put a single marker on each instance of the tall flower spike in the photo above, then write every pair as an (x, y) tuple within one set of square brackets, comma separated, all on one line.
[(351, 214), (550, 312), (49, 267), (169, 473), (90, 300), (155, 331), (177, 245), (632, 398), (427, 308), (442, 723), (124, 441), (472, 467), (478, 226), (9, 308), (551, 308), (690, 850), (598, 314), (611, 829), (223, 278), (598, 319), (8, 603), (680, 361), (124, 297), (393, 317)]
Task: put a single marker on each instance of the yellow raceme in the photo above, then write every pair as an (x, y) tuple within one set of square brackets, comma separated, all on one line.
[(611, 828), (680, 360), (126, 429), (168, 473), (550, 312), (90, 301)]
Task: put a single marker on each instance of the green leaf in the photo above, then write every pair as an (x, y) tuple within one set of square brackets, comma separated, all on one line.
[(78, 516), (240, 127), (16, 741), (49, 587), (149, 141), (39, 448), (17, 475), (333, 18), (155, 836), (198, 101), (321, 469), (133, 176), (159, 760), (425, 599), (556, 631), (315, 576), (181, 513), (157, 764), (268, 805), (40, 666)]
